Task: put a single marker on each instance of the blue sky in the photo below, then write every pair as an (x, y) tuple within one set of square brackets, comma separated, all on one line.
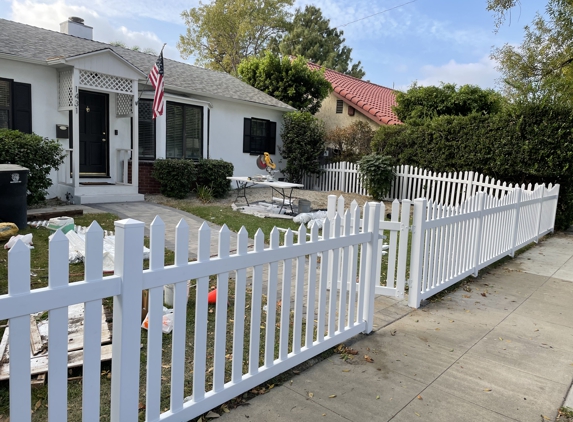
[(428, 41)]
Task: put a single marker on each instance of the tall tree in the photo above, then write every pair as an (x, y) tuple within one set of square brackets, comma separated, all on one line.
[(290, 81), (311, 36), (221, 33), (542, 66), (426, 102)]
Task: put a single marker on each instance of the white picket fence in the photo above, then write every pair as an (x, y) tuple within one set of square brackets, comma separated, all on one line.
[(412, 182), (450, 243), (346, 250)]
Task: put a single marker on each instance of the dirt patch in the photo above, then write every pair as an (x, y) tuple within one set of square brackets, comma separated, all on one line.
[(318, 200)]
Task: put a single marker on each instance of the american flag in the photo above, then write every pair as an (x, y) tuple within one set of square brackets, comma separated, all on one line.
[(156, 78)]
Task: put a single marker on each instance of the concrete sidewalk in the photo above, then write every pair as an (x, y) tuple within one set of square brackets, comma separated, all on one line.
[(500, 350)]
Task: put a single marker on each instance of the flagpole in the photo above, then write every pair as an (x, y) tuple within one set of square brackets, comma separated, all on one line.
[(147, 78)]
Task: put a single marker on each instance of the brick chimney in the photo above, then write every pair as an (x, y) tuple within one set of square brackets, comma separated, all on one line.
[(75, 26)]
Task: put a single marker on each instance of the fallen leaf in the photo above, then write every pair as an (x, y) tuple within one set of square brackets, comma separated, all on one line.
[(466, 296), (487, 390), (368, 359), (225, 408), (484, 295), (417, 414), (37, 405), (332, 396), (141, 406), (378, 398), (311, 395), (545, 418), (212, 415), (419, 397), (348, 370), (296, 372), (393, 333)]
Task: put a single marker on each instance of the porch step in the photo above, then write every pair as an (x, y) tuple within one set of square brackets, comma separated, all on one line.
[(106, 198)]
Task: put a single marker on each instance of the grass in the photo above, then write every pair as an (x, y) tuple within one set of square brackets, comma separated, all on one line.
[(39, 256)]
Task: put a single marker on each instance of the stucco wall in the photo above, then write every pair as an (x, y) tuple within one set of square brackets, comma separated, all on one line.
[(226, 140), (327, 113)]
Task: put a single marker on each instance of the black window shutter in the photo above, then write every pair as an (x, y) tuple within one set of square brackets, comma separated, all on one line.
[(22, 107), (247, 135), (272, 138)]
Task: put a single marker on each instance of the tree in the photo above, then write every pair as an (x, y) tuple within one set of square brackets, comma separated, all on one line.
[(303, 145), (311, 36), (222, 33), (541, 67), (290, 81), (424, 102)]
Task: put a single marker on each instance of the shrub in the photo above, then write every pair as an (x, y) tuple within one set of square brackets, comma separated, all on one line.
[(214, 173), (303, 145), (352, 141), (377, 174), (176, 177), (525, 143), (38, 155)]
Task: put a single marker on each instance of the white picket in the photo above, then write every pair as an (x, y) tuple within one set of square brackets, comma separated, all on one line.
[(272, 302)]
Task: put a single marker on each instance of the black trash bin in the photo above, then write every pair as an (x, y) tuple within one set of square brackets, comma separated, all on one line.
[(13, 190)]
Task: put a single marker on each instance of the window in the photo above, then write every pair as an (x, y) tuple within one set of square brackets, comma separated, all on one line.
[(259, 136), (146, 130), (184, 131), (339, 105), (15, 105), (350, 111)]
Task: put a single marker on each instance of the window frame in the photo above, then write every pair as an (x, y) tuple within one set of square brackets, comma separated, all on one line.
[(184, 132), (270, 139), (154, 123), (10, 108), (339, 106)]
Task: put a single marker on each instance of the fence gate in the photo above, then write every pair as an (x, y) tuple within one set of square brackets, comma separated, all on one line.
[(393, 241)]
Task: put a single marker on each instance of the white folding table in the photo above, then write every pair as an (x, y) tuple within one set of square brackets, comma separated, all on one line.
[(281, 188)]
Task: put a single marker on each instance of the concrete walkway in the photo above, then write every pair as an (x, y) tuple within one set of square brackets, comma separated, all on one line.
[(501, 350)]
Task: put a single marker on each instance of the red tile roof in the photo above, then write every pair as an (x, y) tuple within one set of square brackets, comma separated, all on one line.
[(375, 101)]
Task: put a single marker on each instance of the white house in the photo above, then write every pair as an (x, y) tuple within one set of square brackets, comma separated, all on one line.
[(65, 86)]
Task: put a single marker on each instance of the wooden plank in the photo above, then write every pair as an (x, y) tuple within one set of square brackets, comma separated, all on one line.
[(40, 364), (38, 381), (36, 344), (4, 344), (35, 216)]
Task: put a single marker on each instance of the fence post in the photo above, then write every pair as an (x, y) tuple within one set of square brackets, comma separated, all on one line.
[(405, 182), (342, 179), (417, 253), (515, 222), (479, 231), (372, 260), (540, 213), (127, 321), (331, 207), (469, 181)]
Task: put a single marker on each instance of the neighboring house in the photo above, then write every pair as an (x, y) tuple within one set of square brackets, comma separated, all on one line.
[(85, 94), (354, 99)]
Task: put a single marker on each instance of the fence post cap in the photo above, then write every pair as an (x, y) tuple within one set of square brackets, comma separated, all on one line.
[(128, 222)]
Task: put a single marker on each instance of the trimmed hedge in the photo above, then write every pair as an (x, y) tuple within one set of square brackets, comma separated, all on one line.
[(525, 143), (176, 177), (34, 153), (213, 174)]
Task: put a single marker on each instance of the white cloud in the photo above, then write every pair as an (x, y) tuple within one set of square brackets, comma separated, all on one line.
[(481, 73), (50, 15)]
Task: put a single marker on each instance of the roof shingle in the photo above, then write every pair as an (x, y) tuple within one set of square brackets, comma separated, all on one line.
[(377, 101), (30, 42)]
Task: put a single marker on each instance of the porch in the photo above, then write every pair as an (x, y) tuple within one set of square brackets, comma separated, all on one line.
[(99, 92)]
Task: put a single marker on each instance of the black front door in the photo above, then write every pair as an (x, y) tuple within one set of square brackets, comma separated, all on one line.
[(94, 137)]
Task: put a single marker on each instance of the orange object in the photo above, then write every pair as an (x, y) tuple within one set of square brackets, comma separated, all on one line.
[(212, 297)]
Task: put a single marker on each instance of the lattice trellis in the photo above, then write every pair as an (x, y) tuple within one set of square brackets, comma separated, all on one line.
[(124, 105), (105, 82), (66, 94)]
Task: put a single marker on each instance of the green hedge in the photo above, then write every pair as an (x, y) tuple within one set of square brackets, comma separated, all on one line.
[(176, 177), (34, 153), (213, 174), (525, 143)]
